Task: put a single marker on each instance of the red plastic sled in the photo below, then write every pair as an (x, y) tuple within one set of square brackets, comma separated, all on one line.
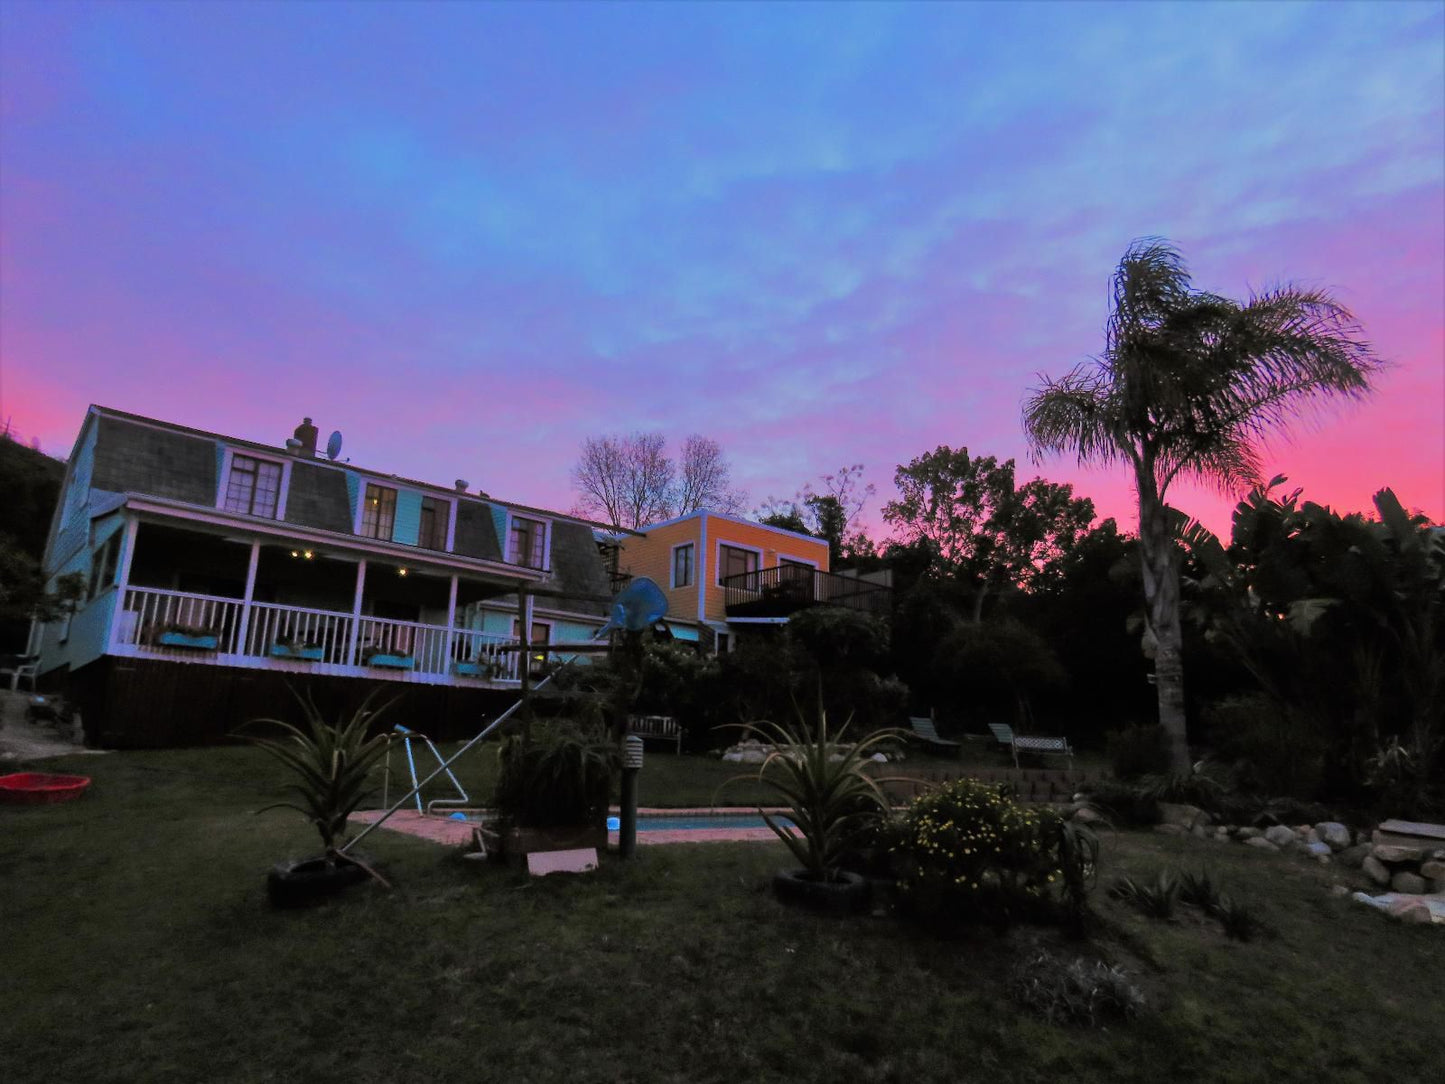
[(38, 788)]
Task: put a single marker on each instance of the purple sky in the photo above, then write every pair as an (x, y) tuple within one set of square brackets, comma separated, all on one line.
[(468, 235)]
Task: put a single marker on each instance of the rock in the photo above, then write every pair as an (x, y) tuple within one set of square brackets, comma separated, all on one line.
[(1416, 914), (1170, 829), (1307, 834), (752, 756), (1200, 832), (879, 758), (733, 757), (1244, 835), (1394, 852), (1433, 870), (1339, 890), (1260, 842), (1088, 815), (1334, 833), (1318, 849), (1280, 835), (1412, 884), (1186, 816), (1353, 856), (1375, 870)]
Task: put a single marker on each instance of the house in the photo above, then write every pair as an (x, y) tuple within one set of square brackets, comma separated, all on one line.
[(220, 569), (725, 576)]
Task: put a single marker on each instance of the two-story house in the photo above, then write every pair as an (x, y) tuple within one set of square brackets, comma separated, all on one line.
[(725, 576), (220, 569)]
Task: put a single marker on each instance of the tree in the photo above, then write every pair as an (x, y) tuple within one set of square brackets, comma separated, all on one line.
[(704, 479), (983, 528), (1187, 384), (629, 481), (831, 515)]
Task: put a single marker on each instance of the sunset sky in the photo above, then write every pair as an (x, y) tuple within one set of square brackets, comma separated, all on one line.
[(469, 235)]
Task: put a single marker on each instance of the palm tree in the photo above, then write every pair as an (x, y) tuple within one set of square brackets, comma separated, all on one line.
[(1186, 385)]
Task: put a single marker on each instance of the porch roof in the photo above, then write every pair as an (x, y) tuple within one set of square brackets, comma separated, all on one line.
[(353, 545)]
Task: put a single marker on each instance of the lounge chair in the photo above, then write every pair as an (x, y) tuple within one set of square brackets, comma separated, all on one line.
[(20, 668), (925, 731), (1003, 734)]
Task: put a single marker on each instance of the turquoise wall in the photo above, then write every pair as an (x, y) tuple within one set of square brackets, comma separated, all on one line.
[(353, 491), (499, 519), (408, 517), (90, 626)]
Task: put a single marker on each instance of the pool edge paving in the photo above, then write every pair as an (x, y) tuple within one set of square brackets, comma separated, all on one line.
[(453, 833)]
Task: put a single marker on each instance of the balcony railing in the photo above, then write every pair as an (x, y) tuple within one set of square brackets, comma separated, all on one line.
[(207, 628), (786, 589)]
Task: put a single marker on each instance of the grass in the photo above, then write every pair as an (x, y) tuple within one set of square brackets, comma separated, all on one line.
[(138, 946)]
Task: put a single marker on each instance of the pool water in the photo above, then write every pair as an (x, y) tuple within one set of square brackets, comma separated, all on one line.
[(692, 822)]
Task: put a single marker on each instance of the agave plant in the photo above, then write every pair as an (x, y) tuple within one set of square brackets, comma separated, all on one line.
[(331, 762), (829, 795)]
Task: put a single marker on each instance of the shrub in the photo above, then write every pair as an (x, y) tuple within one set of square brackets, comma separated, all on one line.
[(1076, 991), (1237, 919), (1124, 804), (1137, 751), (561, 778), (830, 796), (1198, 890), (1153, 898), (970, 853)]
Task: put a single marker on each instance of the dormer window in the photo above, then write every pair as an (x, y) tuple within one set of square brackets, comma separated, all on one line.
[(432, 531), (378, 512), (253, 487), (528, 545)]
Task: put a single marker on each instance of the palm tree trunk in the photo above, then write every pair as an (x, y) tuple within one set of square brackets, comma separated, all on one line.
[(1160, 563)]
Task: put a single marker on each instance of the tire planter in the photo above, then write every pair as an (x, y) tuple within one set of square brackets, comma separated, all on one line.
[(850, 894), (310, 881)]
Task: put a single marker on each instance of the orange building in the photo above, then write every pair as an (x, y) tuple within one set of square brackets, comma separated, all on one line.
[(723, 575)]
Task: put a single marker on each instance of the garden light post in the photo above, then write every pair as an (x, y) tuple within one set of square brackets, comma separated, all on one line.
[(631, 765)]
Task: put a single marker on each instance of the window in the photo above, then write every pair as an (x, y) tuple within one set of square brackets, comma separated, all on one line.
[(434, 515), (102, 565), (378, 512), (528, 543), (541, 634), (253, 487), (682, 565), (732, 561)]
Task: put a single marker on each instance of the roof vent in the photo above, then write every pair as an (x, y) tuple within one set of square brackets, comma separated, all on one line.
[(293, 446), (461, 484)]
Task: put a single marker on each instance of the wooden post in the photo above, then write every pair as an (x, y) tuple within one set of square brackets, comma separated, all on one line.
[(243, 627), (352, 640), (451, 626), (122, 580), (524, 621)]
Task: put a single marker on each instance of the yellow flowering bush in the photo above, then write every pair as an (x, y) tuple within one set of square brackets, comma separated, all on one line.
[(970, 853)]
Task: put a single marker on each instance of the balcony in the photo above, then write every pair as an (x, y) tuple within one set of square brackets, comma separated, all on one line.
[(194, 628), (786, 589)]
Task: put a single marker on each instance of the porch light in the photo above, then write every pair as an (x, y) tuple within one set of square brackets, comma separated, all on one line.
[(308, 555), (401, 572)]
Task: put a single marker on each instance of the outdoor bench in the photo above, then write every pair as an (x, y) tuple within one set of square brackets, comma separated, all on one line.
[(656, 726)]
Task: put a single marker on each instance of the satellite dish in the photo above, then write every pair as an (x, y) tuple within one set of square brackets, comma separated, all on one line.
[(638, 606), (333, 445)]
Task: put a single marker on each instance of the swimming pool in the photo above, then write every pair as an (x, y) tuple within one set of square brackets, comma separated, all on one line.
[(698, 822)]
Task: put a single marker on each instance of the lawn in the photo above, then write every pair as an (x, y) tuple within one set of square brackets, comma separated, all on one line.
[(138, 946)]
